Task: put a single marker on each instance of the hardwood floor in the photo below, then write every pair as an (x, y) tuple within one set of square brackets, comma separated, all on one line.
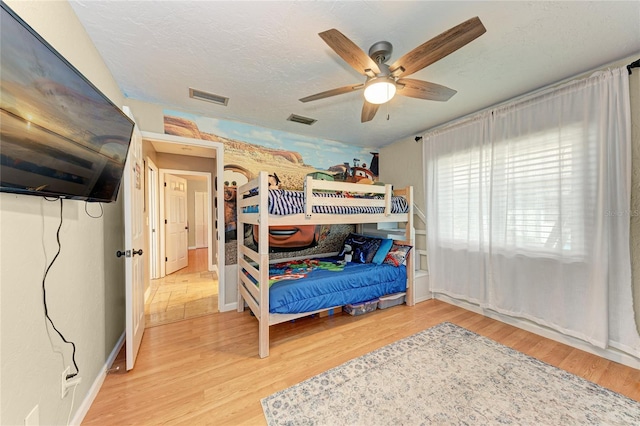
[(187, 293), (206, 370)]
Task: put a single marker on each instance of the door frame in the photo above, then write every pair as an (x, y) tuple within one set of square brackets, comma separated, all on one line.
[(198, 204), (216, 220), (163, 240), (154, 222)]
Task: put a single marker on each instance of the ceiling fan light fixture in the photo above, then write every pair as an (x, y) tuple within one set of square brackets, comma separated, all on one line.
[(379, 90)]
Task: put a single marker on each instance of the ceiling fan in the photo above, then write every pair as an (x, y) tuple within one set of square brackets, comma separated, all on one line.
[(384, 81)]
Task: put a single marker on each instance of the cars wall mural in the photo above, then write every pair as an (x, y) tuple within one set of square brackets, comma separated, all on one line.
[(288, 158)]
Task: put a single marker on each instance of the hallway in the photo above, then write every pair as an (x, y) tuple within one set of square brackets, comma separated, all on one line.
[(187, 293)]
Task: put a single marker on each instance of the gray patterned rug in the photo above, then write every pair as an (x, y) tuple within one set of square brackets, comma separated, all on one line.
[(448, 375)]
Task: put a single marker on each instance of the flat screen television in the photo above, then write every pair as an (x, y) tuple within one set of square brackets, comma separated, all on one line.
[(59, 135)]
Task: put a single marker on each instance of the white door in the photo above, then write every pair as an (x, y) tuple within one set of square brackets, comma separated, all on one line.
[(133, 198), (177, 230), (201, 231)]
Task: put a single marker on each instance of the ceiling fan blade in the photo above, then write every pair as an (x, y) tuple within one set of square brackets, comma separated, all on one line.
[(424, 90), (332, 92), (349, 51), (368, 111), (438, 47)]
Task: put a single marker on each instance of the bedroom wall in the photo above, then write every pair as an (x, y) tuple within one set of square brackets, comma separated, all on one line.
[(407, 151), (85, 287), (150, 117)]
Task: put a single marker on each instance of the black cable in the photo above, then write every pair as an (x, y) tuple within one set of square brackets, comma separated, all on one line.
[(44, 296), (93, 217)]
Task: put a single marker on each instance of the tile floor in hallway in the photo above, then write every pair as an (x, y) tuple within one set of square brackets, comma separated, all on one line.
[(187, 293)]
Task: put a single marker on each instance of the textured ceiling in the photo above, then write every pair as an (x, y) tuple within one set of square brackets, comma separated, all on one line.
[(264, 56)]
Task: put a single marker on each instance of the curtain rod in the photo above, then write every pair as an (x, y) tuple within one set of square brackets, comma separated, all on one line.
[(534, 92)]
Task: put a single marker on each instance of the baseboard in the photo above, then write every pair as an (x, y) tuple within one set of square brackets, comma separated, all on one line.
[(611, 354), (229, 307), (423, 298), (83, 409)]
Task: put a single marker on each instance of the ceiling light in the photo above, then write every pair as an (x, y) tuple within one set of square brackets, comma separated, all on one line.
[(379, 90)]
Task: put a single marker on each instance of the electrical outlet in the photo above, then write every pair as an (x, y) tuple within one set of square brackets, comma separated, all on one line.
[(68, 383), (63, 383)]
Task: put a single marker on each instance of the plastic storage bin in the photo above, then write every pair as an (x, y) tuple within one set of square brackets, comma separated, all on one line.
[(361, 308), (391, 300)]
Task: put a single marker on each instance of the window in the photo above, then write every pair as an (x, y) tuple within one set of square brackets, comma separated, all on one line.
[(525, 193)]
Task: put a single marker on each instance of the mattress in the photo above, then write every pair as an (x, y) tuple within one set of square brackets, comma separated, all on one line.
[(322, 288), (284, 202)]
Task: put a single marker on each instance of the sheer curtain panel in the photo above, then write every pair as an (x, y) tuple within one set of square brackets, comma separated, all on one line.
[(528, 210)]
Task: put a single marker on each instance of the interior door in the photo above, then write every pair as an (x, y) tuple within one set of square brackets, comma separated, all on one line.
[(152, 205), (201, 231), (177, 230), (133, 198)]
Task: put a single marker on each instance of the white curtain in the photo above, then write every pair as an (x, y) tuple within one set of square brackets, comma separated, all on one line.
[(528, 210)]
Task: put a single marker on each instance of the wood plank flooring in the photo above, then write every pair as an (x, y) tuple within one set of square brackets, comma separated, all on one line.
[(206, 370)]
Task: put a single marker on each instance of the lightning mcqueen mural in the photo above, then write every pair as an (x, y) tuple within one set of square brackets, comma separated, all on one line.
[(291, 237)]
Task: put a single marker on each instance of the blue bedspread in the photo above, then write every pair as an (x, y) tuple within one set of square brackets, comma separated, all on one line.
[(324, 289)]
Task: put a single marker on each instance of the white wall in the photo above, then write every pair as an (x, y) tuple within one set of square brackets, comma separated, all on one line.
[(401, 165), (85, 287)]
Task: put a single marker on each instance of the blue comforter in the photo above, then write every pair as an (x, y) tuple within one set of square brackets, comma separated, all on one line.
[(324, 288)]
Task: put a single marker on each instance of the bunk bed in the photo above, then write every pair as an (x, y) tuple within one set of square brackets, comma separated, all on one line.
[(320, 203)]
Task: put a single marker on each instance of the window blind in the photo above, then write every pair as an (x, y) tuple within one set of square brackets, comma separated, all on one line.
[(535, 185)]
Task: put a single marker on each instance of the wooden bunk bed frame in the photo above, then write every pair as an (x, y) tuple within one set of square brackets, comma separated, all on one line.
[(257, 296)]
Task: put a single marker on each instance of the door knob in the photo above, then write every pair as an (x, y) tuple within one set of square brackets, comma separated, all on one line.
[(138, 252)]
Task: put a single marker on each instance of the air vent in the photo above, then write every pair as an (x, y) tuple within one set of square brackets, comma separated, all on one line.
[(208, 97), (302, 120)]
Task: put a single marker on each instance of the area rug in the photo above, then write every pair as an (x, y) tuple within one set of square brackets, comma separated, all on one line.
[(448, 375)]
